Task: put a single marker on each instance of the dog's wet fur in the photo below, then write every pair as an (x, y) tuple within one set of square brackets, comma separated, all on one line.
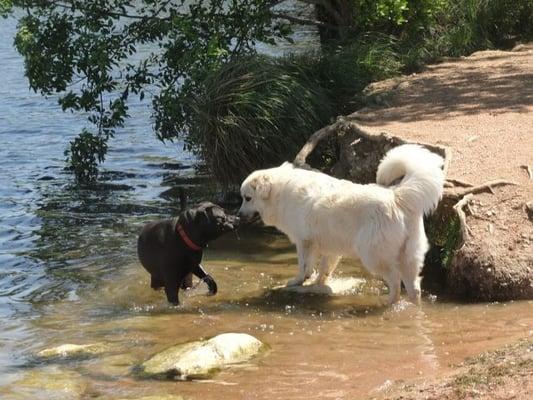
[(164, 253)]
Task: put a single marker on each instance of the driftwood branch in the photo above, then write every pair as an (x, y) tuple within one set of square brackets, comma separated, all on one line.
[(465, 230), (300, 20), (478, 189), (456, 182), (313, 141), (455, 189), (349, 123)]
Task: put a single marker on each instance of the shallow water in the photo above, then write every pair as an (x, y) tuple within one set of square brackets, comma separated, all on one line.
[(69, 274), (321, 346)]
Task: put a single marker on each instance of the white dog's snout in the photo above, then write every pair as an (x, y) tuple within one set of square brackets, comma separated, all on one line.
[(244, 212)]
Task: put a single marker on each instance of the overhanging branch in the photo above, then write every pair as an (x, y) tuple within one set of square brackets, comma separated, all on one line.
[(300, 20)]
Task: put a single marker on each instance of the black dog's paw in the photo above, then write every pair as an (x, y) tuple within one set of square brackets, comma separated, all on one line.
[(211, 284), (186, 283)]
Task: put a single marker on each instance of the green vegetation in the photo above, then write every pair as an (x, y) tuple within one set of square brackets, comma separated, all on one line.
[(444, 232), (257, 111), (254, 112), (236, 109)]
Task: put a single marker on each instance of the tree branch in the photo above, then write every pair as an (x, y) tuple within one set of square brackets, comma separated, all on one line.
[(327, 6), (312, 142), (344, 122), (299, 20), (479, 188)]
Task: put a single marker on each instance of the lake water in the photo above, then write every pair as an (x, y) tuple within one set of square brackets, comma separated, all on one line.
[(69, 274)]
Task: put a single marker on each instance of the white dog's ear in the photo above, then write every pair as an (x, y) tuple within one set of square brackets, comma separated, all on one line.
[(261, 185)]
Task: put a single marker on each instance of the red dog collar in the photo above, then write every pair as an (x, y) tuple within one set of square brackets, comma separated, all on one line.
[(187, 239)]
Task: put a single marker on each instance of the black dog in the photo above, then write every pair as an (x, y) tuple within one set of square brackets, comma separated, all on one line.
[(171, 249)]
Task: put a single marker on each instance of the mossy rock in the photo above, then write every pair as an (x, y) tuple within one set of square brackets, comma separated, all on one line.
[(49, 383)]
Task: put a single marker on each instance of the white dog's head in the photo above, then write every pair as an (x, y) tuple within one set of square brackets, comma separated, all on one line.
[(255, 192)]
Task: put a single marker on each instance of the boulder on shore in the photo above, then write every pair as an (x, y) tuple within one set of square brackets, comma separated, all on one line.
[(199, 359)]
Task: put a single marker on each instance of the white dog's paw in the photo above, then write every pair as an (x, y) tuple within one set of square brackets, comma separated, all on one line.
[(296, 281), (321, 280)]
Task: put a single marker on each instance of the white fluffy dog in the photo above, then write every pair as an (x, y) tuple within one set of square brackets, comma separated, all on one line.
[(381, 224)]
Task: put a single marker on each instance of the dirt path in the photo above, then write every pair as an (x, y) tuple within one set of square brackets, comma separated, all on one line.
[(481, 107)]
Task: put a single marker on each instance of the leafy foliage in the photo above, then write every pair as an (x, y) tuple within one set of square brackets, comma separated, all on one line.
[(253, 112), (257, 111), (89, 52)]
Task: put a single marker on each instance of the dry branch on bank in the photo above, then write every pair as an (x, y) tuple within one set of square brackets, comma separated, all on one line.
[(343, 123)]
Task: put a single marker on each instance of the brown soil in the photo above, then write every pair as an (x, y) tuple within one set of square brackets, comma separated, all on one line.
[(498, 375), (480, 107)]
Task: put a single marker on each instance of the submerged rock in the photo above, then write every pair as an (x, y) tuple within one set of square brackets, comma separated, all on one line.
[(73, 351), (334, 286), (49, 383), (200, 359), (113, 365)]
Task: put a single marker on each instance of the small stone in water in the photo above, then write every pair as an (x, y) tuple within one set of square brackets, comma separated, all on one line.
[(73, 350)]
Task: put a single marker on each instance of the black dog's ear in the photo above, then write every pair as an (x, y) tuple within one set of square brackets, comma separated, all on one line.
[(200, 215), (189, 214), (204, 205)]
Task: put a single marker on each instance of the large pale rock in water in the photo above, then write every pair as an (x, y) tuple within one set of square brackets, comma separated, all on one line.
[(73, 351), (200, 359)]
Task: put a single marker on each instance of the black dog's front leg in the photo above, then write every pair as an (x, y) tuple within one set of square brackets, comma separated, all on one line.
[(186, 283), (211, 284), (172, 287)]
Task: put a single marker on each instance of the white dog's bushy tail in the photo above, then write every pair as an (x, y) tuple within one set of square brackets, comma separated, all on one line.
[(421, 187)]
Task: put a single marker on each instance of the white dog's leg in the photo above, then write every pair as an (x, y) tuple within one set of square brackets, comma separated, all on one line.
[(413, 290), (392, 278), (409, 272), (413, 261), (327, 266), (306, 261)]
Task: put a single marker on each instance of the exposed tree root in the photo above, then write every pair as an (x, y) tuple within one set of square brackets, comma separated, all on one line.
[(456, 182), (314, 139), (344, 123), (479, 188), (465, 231)]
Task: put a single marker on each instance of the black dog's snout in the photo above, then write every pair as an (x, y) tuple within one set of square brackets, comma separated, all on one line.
[(231, 222), (242, 217), (235, 220)]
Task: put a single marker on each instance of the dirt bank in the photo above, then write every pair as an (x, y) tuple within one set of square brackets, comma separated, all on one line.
[(502, 374), (477, 111)]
